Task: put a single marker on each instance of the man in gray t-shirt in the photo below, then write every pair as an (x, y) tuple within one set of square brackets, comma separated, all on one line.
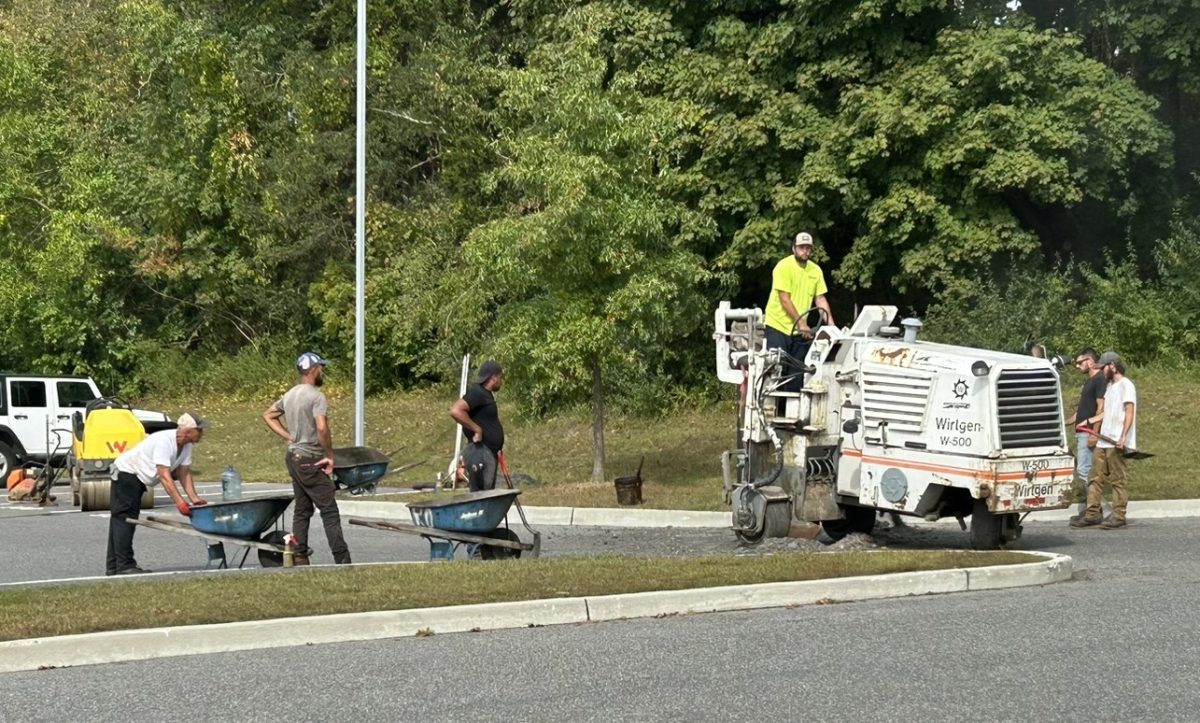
[(302, 405), (309, 459)]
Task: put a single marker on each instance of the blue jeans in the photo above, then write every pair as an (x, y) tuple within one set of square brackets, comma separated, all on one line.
[(1083, 459), (797, 347)]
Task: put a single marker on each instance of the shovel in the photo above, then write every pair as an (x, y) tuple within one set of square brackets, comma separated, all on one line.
[(503, 464), (1125, 452)]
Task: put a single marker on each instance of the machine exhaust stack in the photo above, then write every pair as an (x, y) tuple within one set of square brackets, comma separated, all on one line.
[(911, 325)]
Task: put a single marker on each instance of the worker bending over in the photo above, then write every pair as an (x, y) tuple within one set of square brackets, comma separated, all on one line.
[(160, 457)]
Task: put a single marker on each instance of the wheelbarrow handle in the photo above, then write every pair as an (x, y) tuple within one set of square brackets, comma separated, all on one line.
[(500, 461)]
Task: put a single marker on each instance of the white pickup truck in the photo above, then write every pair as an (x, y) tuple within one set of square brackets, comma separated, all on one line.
[(32, 407)]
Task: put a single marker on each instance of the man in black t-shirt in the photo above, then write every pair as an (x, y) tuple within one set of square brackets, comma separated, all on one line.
[(1091, 404), (480, 420)]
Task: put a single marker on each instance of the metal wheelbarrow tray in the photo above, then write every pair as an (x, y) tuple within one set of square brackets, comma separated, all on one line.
[(473, 519), (359, 469), (239, 522)]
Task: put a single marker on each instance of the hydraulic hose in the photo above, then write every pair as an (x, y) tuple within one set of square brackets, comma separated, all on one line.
[(760, 397)]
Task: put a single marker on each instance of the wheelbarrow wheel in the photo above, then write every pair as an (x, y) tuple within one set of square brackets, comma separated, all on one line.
[(270, 558), (495, 552)]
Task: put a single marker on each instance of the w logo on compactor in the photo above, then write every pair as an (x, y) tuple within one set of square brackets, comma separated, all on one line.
[(117, 447)]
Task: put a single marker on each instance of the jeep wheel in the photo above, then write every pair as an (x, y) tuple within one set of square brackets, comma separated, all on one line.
[(8, 462)]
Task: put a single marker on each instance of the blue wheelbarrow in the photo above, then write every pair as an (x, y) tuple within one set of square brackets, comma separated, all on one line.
[(243, 523), (473, 519), (359, 469)]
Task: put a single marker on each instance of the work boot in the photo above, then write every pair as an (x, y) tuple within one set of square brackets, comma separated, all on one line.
[(1111, 523), (134, 570), (1085, 521)]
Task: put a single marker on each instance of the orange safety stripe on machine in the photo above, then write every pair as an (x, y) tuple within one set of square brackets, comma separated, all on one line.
[(961, 472)]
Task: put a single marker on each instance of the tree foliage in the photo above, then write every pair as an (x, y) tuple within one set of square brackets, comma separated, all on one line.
[(573, 184)]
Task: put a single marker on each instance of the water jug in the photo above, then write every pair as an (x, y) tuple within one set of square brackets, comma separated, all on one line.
[(231, 484)]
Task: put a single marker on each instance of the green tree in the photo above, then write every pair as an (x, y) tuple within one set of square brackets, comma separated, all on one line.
[(923, 147), (1155, 42), (591, 271)]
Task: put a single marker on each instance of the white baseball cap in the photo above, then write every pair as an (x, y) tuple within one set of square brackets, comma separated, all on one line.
[(804, 238), (188, 420)]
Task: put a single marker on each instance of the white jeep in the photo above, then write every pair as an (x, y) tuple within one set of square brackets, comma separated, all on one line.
[(36, 417)]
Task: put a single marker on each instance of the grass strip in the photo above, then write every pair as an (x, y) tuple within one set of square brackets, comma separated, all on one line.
[(96, 607)]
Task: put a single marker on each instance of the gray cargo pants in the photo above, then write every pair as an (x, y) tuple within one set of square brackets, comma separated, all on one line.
[(312, 487)]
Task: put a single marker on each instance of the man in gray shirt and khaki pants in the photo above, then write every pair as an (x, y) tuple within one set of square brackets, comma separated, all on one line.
[(309, 458)]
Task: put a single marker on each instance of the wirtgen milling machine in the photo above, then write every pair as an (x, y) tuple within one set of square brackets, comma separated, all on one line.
[(885, 422)]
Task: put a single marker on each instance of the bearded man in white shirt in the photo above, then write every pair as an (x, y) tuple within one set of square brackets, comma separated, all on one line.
[(1118, 433)]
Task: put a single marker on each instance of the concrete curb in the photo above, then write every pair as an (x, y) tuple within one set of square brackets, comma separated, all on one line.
[(564, 516), (633, 517), (151, 643), (616, 517)]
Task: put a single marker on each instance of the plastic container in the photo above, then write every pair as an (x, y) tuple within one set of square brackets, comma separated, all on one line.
[(231, 484)]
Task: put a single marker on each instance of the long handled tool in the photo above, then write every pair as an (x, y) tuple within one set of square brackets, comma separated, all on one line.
[(1126, 452), (537, 536)]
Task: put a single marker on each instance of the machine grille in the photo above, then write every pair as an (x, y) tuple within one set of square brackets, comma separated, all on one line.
[(898, 399), (1029, 409)]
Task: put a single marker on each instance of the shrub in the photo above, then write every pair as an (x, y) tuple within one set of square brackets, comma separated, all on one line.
[(1178, 260), (1124, 313), (1033, 307), (1067, 310), (260, 372)]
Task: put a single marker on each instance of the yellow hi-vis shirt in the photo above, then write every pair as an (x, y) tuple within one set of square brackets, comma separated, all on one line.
[(803, 283)]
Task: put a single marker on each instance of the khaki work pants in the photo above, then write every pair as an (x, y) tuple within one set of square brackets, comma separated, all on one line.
[(1108, 466)]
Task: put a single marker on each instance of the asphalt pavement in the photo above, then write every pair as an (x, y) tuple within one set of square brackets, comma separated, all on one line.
[(1118, 643), (59, 543)]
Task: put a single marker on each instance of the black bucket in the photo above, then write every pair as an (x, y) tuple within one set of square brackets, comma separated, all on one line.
[(629, 489)]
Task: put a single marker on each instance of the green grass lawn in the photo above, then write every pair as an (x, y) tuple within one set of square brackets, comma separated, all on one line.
[(682, 449), (87, 608)]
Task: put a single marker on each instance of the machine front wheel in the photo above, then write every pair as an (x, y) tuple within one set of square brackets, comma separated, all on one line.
[(990, 531), (777, 522)]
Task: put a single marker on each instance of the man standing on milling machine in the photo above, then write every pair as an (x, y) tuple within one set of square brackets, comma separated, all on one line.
[(797, 285)]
